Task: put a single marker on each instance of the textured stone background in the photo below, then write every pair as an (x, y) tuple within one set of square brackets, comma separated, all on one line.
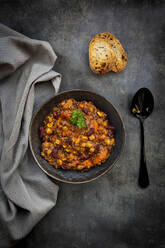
[(111, 212)]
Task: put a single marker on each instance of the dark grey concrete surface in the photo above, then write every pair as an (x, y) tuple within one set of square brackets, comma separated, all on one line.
[(111, 212)]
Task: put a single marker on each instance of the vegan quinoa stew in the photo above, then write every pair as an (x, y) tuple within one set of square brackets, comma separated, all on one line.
[(76, 136)]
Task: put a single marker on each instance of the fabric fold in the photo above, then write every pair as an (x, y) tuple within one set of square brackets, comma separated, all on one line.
[(26, 194)]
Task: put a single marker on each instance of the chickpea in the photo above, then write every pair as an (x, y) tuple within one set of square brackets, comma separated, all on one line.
[(83, 144), (92, 149), (80, 167), (92, 137), (49, 130), (49, 152), (58, 142), (112, 141), (108, 141), (70, 157), (105, 123), (88, 144), (46, 144), (59, 161), (81, 105), (42, 154)]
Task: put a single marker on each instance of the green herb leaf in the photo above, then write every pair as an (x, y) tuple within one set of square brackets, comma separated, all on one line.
[(74, 116), (78, 118)]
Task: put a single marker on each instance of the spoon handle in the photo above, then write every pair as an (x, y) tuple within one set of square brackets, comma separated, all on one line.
[(143, 173)]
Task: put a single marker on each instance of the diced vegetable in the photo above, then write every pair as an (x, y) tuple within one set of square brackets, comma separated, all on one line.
[(76, 136), (91, 131)]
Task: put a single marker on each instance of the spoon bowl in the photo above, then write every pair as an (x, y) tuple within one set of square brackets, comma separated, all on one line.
[(142, 103)]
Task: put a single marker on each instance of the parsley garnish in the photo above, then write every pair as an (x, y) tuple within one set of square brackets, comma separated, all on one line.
[(78, 118)]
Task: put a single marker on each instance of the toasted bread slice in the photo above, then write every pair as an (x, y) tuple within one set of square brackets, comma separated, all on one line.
[(101, 55), (121, 57)]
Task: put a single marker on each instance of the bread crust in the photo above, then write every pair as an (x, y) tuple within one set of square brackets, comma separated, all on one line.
[(121, 57)]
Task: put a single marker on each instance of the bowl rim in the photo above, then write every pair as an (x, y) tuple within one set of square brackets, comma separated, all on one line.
[(91, 179)]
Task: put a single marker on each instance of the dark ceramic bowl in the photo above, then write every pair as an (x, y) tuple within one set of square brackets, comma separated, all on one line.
[(77, 176)]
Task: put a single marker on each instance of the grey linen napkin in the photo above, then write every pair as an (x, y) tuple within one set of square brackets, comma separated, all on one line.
[(26, 193)]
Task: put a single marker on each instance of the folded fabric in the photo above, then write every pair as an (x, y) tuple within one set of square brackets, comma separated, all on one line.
[(26, 193)]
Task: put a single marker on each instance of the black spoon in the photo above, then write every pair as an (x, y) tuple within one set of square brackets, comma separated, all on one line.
[(141, 107)]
